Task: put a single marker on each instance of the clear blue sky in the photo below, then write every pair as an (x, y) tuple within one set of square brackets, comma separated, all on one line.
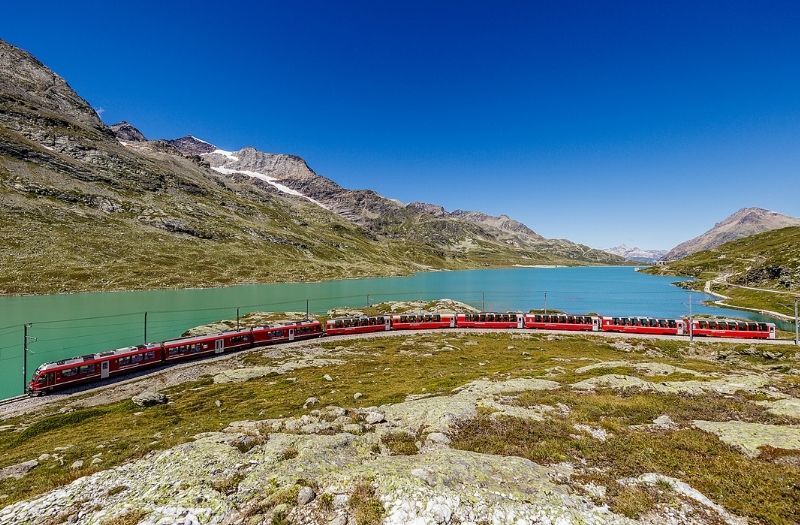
[(602, 122)]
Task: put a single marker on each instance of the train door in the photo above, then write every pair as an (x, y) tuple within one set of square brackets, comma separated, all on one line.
[(452, 321), (104, 369), (681, 327), (387, 322), (51, 379), (291, 334), (520, 321), (219, 346), (595, 324), (771, 331)]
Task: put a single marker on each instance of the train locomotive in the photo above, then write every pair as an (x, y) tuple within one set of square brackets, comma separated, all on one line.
[(99, 366)]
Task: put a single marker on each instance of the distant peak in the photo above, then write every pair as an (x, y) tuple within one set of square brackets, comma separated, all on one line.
[(191, 145), (126, 131)]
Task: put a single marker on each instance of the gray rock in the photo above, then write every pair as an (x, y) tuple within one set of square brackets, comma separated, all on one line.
[(353, 428), (335, 411), (149, 398), (437, 438), (19, 470), (341, 519), (327, 377), (358, 395), (78, 464), (305, 496), (664, 422), (96, 461), (425, 475), (310, 402), (218, 403), (373, 418), (44, 457)]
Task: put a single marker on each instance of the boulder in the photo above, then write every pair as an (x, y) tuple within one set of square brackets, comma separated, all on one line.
[(305, 496), (149, 398), (373, 418), (310, 402), (19, 470)]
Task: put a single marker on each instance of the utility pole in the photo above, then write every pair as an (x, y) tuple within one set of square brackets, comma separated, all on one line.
[(367, 299), (796, 325), (25, 357), (691, 323), (145, 328), (237, 318), (306, 309), (545, 303)]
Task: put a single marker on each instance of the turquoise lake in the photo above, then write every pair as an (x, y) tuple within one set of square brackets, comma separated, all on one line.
[(75, 324)]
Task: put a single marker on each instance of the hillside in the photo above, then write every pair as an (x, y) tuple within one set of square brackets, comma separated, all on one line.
[(743, 223), (769, 261), (89, 207)]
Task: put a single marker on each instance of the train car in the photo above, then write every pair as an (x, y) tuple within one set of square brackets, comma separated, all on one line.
[(731, 328), (490, 320), (205, 345), (358, 325), (282, 333), (93, 367), (423, 321), (574, 323), (644, 325)]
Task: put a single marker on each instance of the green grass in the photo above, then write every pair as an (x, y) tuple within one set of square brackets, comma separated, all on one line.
[(365, 505)]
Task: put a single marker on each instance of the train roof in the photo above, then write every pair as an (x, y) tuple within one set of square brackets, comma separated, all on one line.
[(72, 361)]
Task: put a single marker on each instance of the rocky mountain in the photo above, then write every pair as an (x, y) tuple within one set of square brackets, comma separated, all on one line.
[(86, 206), (743, 223), (388, 218), (637, 254), (126, 132)]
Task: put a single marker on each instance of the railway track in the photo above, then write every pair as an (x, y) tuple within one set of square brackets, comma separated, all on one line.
[(14, 399)]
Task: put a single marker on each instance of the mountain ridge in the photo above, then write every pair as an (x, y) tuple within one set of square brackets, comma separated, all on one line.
[(742, 223)]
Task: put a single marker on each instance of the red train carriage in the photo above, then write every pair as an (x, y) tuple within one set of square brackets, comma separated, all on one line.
[(644, 325), (281, 333), (731, 328), (423, 321), (204, 345), (358, 325), (577, 323), (490, 320), (79, 370)]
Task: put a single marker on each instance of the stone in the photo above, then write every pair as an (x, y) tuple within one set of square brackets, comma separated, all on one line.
[(327, 377), (44, 457), (149, 398), (341, 519), (305, 496), (664, 422), (425, 475), (310, 402), (78, 464), (218, 403), (357, 396), (19, 470), (96, 461), (437, 438), (353, 428), (335, 411), (373, 418)]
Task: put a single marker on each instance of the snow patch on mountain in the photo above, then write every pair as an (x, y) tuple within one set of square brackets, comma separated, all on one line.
[(637, 254), (269, 180), (227, 154)]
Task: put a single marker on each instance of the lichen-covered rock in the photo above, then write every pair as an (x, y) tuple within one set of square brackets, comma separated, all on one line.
[(749, 437), (149, 398), (19, 470)]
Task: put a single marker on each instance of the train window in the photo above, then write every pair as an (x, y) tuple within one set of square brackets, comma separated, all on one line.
[(86, 369), (703, 324), (490, 317), (741, 326), (483, 317), (653, 322), (339, 323), (437, 318), (562, 318), (537, 318), (69, 372), (137, 358), (615, 320), (506, 317), (671, 323), (752, 327), (762, 327), (124, 361), (150, 355), (571, 319), (381, 320)]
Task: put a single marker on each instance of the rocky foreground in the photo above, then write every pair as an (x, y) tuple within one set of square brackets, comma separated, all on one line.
[(456, 428)]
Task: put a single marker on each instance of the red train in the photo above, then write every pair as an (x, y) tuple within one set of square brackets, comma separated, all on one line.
[(95, 367)]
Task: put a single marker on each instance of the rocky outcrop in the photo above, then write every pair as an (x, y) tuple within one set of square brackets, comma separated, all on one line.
[(743, 223), (127, 132), (148, 399)]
